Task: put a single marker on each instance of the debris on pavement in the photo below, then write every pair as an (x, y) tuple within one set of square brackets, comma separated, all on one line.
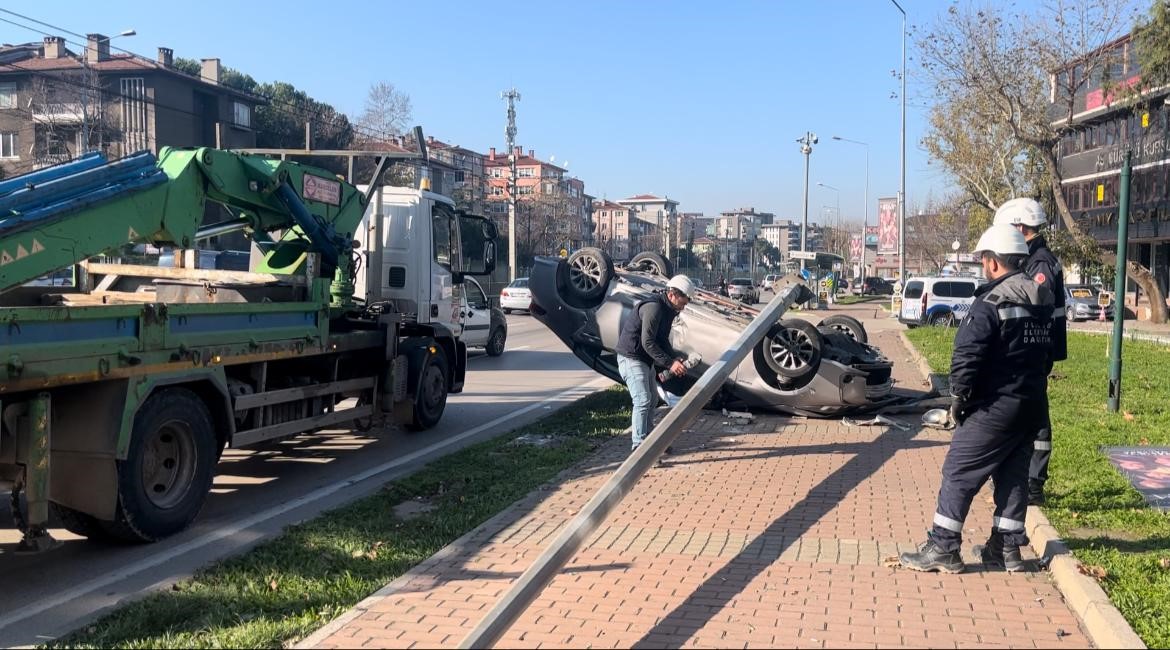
[(938, 419), (738, 415), (877, 420)]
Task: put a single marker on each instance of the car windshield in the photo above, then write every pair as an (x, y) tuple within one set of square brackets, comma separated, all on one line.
[(741, 281), (519, 283)]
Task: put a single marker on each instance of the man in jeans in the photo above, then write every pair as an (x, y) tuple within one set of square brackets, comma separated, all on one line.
[(644, 344)]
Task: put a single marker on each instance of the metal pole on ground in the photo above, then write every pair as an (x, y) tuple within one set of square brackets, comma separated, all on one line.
[(554, 558), (1119, 287)]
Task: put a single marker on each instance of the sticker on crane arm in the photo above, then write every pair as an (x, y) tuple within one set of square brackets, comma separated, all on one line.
[(323, 190)]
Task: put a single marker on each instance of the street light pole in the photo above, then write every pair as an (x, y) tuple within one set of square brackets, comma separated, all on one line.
[(865, 211), (836, 214), (806, 144), (902, 183)]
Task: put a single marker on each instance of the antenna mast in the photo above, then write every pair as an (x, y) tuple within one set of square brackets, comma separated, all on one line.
[(512, 96)]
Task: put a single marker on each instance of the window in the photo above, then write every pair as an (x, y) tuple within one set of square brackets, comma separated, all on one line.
[(241, 114), (954, 289), (524, 172), (134, 115), (459, 177), (9, 145), (8, 95), (476, 298), (913, 290), (441, 234)]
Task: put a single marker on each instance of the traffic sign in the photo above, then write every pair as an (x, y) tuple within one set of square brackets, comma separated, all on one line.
[(802, 255)]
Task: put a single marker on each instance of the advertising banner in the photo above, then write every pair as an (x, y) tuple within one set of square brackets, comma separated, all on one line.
[(887, 225), (855, 247), (1147, 469), (871, 236)]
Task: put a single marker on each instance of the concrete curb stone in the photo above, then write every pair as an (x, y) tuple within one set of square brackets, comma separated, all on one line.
[(1102, 622)]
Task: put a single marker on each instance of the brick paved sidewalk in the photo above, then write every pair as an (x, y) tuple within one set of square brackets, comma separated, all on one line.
[(766, 535)]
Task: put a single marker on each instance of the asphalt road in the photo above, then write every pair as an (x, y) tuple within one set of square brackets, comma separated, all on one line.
[(258, 492)]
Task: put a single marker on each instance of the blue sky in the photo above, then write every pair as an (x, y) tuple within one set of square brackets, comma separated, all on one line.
[(701, 101)]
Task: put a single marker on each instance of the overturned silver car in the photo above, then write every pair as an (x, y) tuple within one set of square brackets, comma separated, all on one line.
[(821, 370)]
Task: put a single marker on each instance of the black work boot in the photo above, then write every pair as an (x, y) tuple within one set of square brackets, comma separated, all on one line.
[(932, 558), (1035, 492), (995, 555)]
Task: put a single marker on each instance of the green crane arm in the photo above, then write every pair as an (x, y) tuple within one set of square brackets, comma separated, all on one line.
[(61, 215)]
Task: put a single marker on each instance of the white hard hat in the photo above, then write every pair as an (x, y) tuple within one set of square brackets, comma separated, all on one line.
[(1002, 239), (682, 284), (1027, 212)]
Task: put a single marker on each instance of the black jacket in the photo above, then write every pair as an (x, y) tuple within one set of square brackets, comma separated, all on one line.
[(645, 335), (1003, 347), (1043, 267)]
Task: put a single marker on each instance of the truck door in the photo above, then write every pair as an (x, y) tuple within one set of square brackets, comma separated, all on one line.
[(446, 296)]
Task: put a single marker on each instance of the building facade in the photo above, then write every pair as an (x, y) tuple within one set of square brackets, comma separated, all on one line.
[(552, 211), (56, 104), (661, 214), (465, 174), (618, 231)]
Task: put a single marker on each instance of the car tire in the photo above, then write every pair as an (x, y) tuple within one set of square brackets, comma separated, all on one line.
[(942, 319), (167, 474), (589, 272), (1070, 314), (791, 351), (508, 311), (495, 344), (651, 262), (847, 325)]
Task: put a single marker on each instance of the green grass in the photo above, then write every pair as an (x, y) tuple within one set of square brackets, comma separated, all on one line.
[(284, 590), (853, 300), (1100, 516)]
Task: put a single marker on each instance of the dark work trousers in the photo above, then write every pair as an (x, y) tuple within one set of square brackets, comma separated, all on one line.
[(1041, 450), (993, 442)]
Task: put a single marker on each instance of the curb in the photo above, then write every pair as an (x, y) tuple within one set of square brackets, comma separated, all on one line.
[(1102, 622)]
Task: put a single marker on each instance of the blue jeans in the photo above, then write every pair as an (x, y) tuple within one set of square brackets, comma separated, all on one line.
[(639, 378)]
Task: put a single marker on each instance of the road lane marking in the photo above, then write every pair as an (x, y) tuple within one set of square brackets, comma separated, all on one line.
[(124, 573)]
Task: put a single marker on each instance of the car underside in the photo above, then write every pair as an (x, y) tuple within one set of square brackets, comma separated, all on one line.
[(821, 370)]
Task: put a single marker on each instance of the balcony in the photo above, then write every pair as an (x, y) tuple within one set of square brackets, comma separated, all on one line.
[(61, 113)]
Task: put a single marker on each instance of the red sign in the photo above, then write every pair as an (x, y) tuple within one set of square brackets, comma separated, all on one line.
[(1099, 97), (887, 225)]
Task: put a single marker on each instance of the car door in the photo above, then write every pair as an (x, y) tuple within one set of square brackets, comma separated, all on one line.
[(477, 321)]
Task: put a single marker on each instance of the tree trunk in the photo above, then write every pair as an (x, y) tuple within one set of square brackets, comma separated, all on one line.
[(1134, 271)]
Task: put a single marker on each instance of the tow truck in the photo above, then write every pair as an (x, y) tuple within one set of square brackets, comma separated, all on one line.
[(118, 394)]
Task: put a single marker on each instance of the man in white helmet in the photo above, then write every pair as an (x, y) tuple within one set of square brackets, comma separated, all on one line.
[(1027, 216), (1002, 354), (643, 344)]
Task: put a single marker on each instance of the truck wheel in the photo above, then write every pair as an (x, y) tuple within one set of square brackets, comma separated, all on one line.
[(590, 270), (78, 522), (791, 351), (651, 262), (431, 398), (848, 326), (167, 473), (495, 344)]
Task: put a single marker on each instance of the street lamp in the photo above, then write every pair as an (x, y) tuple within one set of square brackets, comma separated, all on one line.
[(806, 144), (865, 211), (902, 183)]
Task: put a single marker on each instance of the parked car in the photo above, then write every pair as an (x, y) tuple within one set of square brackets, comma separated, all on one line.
[(1086, 302), (516, 296), (743, 290), (873, 287), (939, 301), (484, 325), (821, 370), (766, 283)]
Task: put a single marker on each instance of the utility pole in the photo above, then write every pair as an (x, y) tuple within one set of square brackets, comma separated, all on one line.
[(511, 95), (902, 183), (806, 144)]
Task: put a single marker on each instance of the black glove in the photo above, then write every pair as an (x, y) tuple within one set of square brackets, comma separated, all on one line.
[(958, 411)]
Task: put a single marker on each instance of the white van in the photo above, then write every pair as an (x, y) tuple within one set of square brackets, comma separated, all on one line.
[(939, 301)]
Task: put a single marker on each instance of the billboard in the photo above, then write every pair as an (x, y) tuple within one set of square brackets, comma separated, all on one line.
[(855, 247), (887, 225), (871, 236)]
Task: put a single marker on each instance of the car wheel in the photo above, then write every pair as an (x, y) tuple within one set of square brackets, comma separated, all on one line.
[(590, 270), (847, 325), (507, 311), (1070, 314), (651, 262), (942, 319), (495, 344), (792, 351)]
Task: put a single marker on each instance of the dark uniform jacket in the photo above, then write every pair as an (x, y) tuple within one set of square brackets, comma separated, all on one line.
[(645, 335), (1043, 267), (1003, 347)]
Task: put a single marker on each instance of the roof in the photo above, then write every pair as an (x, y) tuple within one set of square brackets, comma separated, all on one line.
[(521, 161), (606, 204), (647, 198), (116, 63)]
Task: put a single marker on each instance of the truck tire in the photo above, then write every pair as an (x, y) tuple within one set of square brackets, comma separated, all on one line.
[(791, 352), (78, 522), (651, 262), (495, 344), (431, 397), (848, 326), (590, 270), (165, 478)]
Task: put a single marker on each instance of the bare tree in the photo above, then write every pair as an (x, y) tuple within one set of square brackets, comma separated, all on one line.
[(996, 69), (386, 114), (73, 115)]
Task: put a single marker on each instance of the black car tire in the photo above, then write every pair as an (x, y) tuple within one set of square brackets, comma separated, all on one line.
[(589, 272), (652, 262), (507, 311), (1070, 314), (792, 351), (847, 325), (942, 319), (495, 344)]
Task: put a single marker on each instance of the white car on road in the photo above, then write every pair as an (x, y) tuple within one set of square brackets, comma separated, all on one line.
[(516, 296)]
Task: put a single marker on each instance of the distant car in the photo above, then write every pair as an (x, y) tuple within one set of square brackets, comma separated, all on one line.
[(938, 301), (484, 325), (766, 283), (743, 290), (821, 370), (874, 287), (1086, 302), (516, 296)]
